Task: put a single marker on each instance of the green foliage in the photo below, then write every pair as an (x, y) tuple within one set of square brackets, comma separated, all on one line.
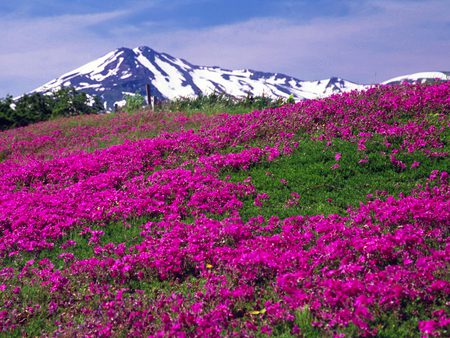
[(69, 102), (36, 107), (290, 99), (219, 103), (134, 103), (31, 109), (6, 112)]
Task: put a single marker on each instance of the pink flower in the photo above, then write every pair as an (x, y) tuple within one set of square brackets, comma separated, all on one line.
[(428, 326), (259, 199), (364, 160), (335, 166), (266, 329)]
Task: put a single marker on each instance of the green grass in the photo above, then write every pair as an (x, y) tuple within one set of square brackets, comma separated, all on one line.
[(116, 233), (324, 190)]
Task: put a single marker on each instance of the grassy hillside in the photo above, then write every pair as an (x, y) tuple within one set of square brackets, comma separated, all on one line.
[(323, 218)]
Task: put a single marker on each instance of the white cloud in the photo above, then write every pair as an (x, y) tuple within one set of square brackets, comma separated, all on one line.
[(42, 48), (394, 38), (379, 39)]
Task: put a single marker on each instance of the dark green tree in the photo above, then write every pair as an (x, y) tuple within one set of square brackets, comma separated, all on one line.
[(69, 102), (6, 112), (98, 106), (31, 108), (36, 107)]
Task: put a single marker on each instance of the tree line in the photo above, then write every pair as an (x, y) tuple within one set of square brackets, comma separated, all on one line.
[(36, 107)]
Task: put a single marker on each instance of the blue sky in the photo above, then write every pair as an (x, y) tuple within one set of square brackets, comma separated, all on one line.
[(363, 41)]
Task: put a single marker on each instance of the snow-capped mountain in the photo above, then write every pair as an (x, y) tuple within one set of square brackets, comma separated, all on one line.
[(127, 71), (419, 77)]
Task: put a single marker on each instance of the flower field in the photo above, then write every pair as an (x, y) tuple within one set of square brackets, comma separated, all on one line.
[(325, 218)]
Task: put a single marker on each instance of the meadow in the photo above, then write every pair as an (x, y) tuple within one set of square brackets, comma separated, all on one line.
[(324, 218)]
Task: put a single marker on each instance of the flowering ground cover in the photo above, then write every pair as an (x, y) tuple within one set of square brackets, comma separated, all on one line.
[(65, 136), (324, 218)]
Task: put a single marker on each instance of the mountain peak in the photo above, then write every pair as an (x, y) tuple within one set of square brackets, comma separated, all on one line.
[(144, 49), (123, 49), (124, 71)]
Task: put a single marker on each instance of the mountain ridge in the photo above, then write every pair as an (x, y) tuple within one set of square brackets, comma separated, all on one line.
[(127, 71)]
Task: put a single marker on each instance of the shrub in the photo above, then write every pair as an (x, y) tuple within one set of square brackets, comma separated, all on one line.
[(37, 107), (133, 103)]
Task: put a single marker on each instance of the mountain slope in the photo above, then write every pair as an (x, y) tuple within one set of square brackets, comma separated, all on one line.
[(125, 71)]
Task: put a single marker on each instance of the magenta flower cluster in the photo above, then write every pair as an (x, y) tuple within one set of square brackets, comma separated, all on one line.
[(217, 274)]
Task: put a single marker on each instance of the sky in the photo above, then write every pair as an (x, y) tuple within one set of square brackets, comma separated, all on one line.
[(365, 41)]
